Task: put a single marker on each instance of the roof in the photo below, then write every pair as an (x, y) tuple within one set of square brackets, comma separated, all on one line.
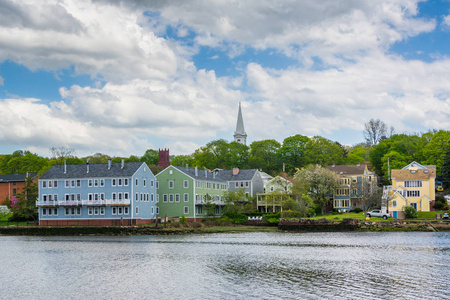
[(348, 169), (413, 174), (220, 174), (16, 177), (240, 122), (95, 171)]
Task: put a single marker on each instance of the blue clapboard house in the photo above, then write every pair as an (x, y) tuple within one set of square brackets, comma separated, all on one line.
[(97, 194)]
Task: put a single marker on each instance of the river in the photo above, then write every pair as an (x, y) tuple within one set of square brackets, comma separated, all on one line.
[(351, 265)]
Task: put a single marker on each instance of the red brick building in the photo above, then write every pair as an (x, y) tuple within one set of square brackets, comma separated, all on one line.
[(12, 184)]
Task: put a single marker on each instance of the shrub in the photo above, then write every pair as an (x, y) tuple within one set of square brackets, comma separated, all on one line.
[(410, 212), (183, 220), (272, 218), (357, 210)]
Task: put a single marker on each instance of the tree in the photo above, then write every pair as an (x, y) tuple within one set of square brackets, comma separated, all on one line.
[(99, 158), (435, 150), (318, 182), (151, 157), (263, 156), (59, 154), (374, 131), (323, 151), (182, 161), (209, 206), (445, 169), (292, 152), (371, 196), (236, 204), (23, 206)]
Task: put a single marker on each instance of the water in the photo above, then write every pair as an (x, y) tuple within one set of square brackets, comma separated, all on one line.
[(228, 266)]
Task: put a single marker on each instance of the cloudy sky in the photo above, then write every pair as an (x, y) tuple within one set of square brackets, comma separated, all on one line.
[(120, 77)]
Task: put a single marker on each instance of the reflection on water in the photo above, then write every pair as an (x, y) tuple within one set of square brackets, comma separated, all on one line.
[(228, 266)]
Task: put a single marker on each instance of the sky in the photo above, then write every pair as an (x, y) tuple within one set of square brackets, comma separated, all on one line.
[(121, 77)]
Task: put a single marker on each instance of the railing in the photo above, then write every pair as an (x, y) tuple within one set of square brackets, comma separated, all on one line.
[(100, 202)]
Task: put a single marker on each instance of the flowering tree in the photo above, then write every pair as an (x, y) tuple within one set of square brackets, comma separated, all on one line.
[(317, 182)]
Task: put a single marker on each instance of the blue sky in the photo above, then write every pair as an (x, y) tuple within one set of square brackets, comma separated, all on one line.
[(120, 77)]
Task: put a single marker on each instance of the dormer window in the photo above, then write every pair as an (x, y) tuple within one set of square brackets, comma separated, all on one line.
[(425, 171), (413, 171)]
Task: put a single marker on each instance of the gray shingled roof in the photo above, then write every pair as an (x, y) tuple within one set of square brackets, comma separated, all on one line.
[(95, 171), (221, 175), (15, 177), (348, 169)]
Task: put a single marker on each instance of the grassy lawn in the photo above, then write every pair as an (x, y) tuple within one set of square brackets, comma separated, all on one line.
[(429, 214)]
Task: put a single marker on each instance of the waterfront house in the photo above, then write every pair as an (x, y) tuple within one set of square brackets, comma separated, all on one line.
[(355, 181), (413, 185), (275, 191), (97, 194), (12, 184), (186, 191)]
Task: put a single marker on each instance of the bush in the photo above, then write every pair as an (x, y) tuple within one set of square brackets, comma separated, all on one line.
[(357, 210), (183, 220), (272, 218), (410, 212)]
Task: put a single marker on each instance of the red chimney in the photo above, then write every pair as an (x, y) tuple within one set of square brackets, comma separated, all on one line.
[(164, 160)]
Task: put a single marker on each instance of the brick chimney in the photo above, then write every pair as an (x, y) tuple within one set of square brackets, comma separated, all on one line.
[(235, 171), (164, 160)]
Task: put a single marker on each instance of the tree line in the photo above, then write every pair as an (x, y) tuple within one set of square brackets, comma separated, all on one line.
[(269, 155)]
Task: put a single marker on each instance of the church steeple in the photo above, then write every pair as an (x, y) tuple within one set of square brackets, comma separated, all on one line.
[(239, 135)]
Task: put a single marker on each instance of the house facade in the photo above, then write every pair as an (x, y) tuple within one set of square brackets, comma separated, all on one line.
[(355, 182), (186, 191), (278, 187), (413, 185), (12, 184), (97, 194)]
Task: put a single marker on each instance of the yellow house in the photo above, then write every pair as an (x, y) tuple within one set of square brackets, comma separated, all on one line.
[(412, 186)]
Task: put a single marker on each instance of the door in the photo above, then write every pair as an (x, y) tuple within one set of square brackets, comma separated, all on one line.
[(414, 205)]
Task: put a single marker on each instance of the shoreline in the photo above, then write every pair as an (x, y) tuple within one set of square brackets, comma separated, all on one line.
[(302, 225)]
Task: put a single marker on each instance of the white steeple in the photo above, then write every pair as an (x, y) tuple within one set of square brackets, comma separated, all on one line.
[(239, 135)]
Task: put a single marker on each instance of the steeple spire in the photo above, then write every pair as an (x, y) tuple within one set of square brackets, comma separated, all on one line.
[(239, 135)]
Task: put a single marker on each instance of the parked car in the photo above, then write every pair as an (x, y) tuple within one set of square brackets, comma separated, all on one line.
[(445, 216), (377, 213)]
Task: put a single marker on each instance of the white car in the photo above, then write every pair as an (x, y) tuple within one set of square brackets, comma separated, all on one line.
[(378, 213)]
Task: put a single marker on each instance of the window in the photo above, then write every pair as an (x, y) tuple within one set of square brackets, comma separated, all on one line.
[(55, 197), (78, 197), (72, 183), (412, 193), (153, 210), (170, 184), (413, 183), (137, 210), (177, 197), (72, 197), (157, 198), (44, 211), (186, 184), (120, 210), (125, 196), (199, 210), (186, 197), (90, 211), (141, 197), (157, 210), (90, 197), (152, 196), (137, 182), (55, 211), (78, 211), (44, 184), (113, 182), (242, 184), (246, 184), (114, 210), (67, 197), (171, 198), (67, 212), (120, 182), (157, 184), (394, 203), (96, 197), (78, 183), (102, 196), (137, 196), (237, 184), (165, 198), (186, 210), (102, 182), (96, 210), (125, 210), (96, 182), (102, 210), (49, 184), (44, 198), (67, 183), (198, 184), (90, 182), (145, 182), (151, 183), (271, 188), (125, 182), (55, 183)]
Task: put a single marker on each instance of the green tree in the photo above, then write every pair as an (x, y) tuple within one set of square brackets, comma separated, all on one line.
[(209, 206), (445, 169), (318, 182), (21, 162), (182, 161), (324, 152), (151, 157), (236, 204), (99, 158), (25, 206), (263, 155), (436, 149), (358, 153), (60, 154), (292, 152)]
